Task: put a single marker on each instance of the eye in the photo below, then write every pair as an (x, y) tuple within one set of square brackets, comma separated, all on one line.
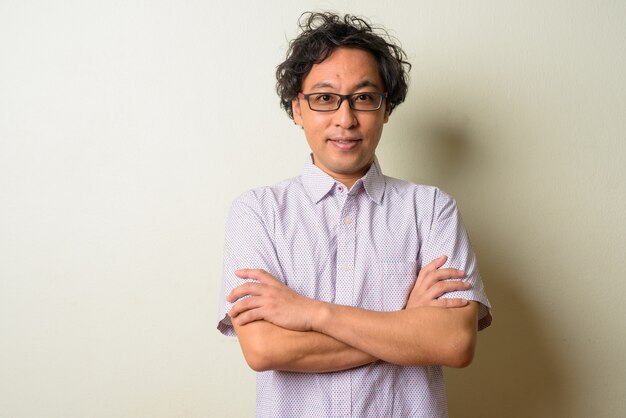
[(364, 97), (323, 98)]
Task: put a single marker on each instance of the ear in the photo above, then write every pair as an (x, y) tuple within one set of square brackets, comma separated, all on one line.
[(387, 112), (297, 114)]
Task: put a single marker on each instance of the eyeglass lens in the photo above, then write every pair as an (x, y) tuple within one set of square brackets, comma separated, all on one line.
[(332, 101)]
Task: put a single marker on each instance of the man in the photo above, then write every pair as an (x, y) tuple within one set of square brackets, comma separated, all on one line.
[(348, 290)]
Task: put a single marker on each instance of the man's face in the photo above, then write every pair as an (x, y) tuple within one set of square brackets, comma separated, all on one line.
[(343, 141)]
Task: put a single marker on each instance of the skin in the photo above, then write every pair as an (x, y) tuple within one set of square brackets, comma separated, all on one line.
[(279, 329), (343, 142), (427, 331)]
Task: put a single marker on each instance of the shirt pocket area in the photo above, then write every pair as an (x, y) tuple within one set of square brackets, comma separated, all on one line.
[(396, 280)]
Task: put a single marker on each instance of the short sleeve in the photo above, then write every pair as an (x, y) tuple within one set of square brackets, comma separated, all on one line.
[(449, 237), (248, 245)]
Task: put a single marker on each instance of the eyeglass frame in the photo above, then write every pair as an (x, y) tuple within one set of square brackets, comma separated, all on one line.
[(343, 97)]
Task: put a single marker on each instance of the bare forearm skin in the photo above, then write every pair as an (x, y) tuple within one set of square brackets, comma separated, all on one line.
[(269, 347), (418, 336), (345, 337), (279, 329)]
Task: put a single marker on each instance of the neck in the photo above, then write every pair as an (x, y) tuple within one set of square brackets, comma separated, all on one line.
[(348, 180)]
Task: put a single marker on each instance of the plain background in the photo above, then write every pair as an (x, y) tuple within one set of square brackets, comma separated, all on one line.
[(127, 128)]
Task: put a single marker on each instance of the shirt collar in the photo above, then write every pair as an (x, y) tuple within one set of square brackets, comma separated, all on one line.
[(374, 182), (317, 183)]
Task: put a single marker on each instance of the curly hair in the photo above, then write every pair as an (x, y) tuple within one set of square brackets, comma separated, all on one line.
[(321, 34)]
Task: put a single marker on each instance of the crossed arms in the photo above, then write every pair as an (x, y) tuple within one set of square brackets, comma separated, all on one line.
[(279, 329)]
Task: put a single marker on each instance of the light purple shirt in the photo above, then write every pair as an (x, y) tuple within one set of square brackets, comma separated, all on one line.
[(361, 247)]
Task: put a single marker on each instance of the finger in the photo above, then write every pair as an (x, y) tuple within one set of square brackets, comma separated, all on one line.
[(442, 274), (244, 305), (248, 273), (248, 316), (444, 287), (450, 303), (260, 275), (432, 266), (435, 264), (249, 288)]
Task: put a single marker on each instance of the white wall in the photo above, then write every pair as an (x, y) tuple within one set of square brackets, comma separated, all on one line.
[(127, 127)]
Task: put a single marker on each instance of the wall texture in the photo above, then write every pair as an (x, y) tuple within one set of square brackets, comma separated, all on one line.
[(127, 127)]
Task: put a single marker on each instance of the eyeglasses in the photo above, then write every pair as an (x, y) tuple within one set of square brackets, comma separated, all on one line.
[(328, 102)]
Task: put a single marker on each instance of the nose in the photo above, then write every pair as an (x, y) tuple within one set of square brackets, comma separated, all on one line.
[(345, 116)]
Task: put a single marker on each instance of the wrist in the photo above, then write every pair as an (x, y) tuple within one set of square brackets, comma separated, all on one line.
[(321, 315)]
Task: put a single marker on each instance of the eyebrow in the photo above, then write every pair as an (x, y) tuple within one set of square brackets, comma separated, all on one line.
[(327, 84)]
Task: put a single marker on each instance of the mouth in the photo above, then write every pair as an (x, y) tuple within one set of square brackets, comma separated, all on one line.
[(344, 144)]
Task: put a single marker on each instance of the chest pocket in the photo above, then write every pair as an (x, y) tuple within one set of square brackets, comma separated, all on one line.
[(396, 281)]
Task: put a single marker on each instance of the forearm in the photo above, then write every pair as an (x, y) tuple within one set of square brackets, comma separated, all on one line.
[(269, 347), (408, 337), (413, 336)]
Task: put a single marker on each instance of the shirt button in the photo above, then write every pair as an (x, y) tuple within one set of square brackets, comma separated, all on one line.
[(345, 267), (347, 220), (340, 188)]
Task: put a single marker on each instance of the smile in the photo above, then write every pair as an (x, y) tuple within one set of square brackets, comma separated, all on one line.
[(345, 144)]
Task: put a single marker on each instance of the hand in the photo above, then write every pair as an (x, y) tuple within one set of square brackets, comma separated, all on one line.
[(432, 282), (270, 300)]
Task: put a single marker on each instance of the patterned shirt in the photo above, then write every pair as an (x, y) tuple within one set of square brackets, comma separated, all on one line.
[(360, 247)]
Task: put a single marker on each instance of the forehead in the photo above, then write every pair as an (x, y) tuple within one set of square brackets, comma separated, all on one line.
[(344, 69)]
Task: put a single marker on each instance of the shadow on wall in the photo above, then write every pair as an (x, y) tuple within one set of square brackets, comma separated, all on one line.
[(446, 143), (515, 373)]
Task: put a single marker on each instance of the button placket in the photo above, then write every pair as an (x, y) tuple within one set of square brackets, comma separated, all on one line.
[(346, 253), (346, 243)]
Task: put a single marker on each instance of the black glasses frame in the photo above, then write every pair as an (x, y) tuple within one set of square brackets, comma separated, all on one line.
[(342, 97)]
